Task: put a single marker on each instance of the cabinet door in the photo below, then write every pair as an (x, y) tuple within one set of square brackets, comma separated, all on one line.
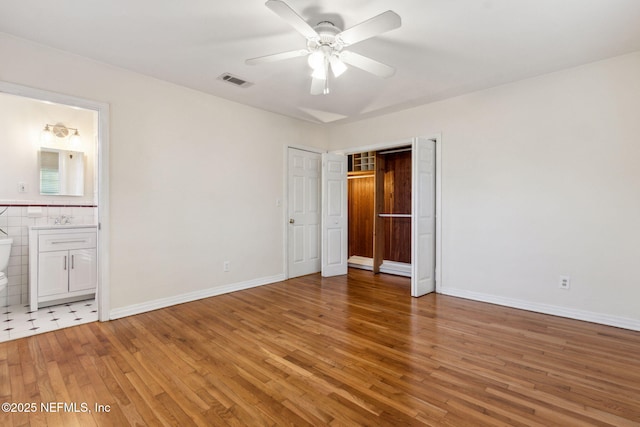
[(53, 273), (82, 270)]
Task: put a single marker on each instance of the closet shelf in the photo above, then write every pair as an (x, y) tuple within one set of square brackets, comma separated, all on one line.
[(364, 161)]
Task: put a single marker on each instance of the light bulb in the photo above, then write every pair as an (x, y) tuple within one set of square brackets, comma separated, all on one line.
[(75, 139), (319, 73), (337, 66), (316, 60), (45, 135)]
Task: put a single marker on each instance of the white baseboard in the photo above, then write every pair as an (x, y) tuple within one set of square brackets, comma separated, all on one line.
[(357, 261), (192, 296), (571, 313), (397, 268), (388, 267)]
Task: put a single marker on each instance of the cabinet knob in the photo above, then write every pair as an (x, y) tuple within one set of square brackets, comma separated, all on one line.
[(291, 220)]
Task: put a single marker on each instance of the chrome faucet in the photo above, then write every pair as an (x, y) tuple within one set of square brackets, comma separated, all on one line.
[(63, 220)]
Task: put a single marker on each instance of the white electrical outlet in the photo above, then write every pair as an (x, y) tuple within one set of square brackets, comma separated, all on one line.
[(226, 265), (565, 282)]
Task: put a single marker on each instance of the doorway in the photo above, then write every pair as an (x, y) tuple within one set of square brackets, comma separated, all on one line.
[(425, 208), (101, 165), (423, 221), (304, 212), (380, 210)]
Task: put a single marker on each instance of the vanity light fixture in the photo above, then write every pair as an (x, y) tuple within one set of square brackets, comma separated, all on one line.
[(60, 131), (75, 139)]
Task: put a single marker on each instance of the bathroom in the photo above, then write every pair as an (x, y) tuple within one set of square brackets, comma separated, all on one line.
[(25, 147)]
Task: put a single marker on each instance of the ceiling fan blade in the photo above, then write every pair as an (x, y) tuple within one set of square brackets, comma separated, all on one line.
[(379, 24), (277, 57), (319, 86), (367, 64), (285, 12)]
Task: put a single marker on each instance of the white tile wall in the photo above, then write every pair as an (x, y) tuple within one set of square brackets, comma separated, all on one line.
[(16, 223)]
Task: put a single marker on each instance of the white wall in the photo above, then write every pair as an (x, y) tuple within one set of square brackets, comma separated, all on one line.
[(193, 178), (541, 178)]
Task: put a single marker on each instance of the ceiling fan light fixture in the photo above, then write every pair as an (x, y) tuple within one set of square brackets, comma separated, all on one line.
[(319, 73), (316, 60), (325, 43), (337, 66)]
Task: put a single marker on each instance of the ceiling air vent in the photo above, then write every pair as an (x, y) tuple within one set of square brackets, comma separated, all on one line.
[(234, 80)]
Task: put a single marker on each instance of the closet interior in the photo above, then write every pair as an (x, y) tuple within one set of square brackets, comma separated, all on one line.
[(379, 195)]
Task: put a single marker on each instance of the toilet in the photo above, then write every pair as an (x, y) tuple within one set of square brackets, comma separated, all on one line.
[(5, 251)]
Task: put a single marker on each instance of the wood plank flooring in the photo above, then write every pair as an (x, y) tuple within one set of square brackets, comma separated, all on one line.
[(355, 350)]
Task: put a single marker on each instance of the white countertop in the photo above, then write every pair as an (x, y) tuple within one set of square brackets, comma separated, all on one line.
[(65, 226)]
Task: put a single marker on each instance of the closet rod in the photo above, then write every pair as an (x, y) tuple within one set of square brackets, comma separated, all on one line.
[(394, 215), (399, 150)]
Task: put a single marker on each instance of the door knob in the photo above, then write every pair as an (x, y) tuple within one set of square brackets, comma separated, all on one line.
[(291, 220)]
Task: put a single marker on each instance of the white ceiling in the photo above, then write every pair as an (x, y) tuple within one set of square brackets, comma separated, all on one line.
[(444, 47)]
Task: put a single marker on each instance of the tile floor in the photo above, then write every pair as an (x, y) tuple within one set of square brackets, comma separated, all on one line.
[(17, 321)]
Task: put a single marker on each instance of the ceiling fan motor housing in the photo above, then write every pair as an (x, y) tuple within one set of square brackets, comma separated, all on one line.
[(327, 36)]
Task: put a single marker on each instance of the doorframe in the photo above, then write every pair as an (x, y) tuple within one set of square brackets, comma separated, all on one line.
[(102, 149), (438, 205), (285, 201)]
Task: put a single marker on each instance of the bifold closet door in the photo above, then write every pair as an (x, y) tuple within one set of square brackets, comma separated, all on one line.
[(334, 215), (423, 246)]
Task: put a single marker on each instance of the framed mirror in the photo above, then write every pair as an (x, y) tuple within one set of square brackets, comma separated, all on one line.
[(61, 172)]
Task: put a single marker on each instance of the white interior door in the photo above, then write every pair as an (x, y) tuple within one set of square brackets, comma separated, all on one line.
[(334, 215), (304, 212), (423, 245)]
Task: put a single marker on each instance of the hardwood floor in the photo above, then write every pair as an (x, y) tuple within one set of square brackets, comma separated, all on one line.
[(354, 350)]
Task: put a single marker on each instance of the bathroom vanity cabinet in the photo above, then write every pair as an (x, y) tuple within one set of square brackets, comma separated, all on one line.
[(62, 264)]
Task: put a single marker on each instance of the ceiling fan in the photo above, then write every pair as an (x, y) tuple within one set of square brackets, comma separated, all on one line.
[(326, 43)]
